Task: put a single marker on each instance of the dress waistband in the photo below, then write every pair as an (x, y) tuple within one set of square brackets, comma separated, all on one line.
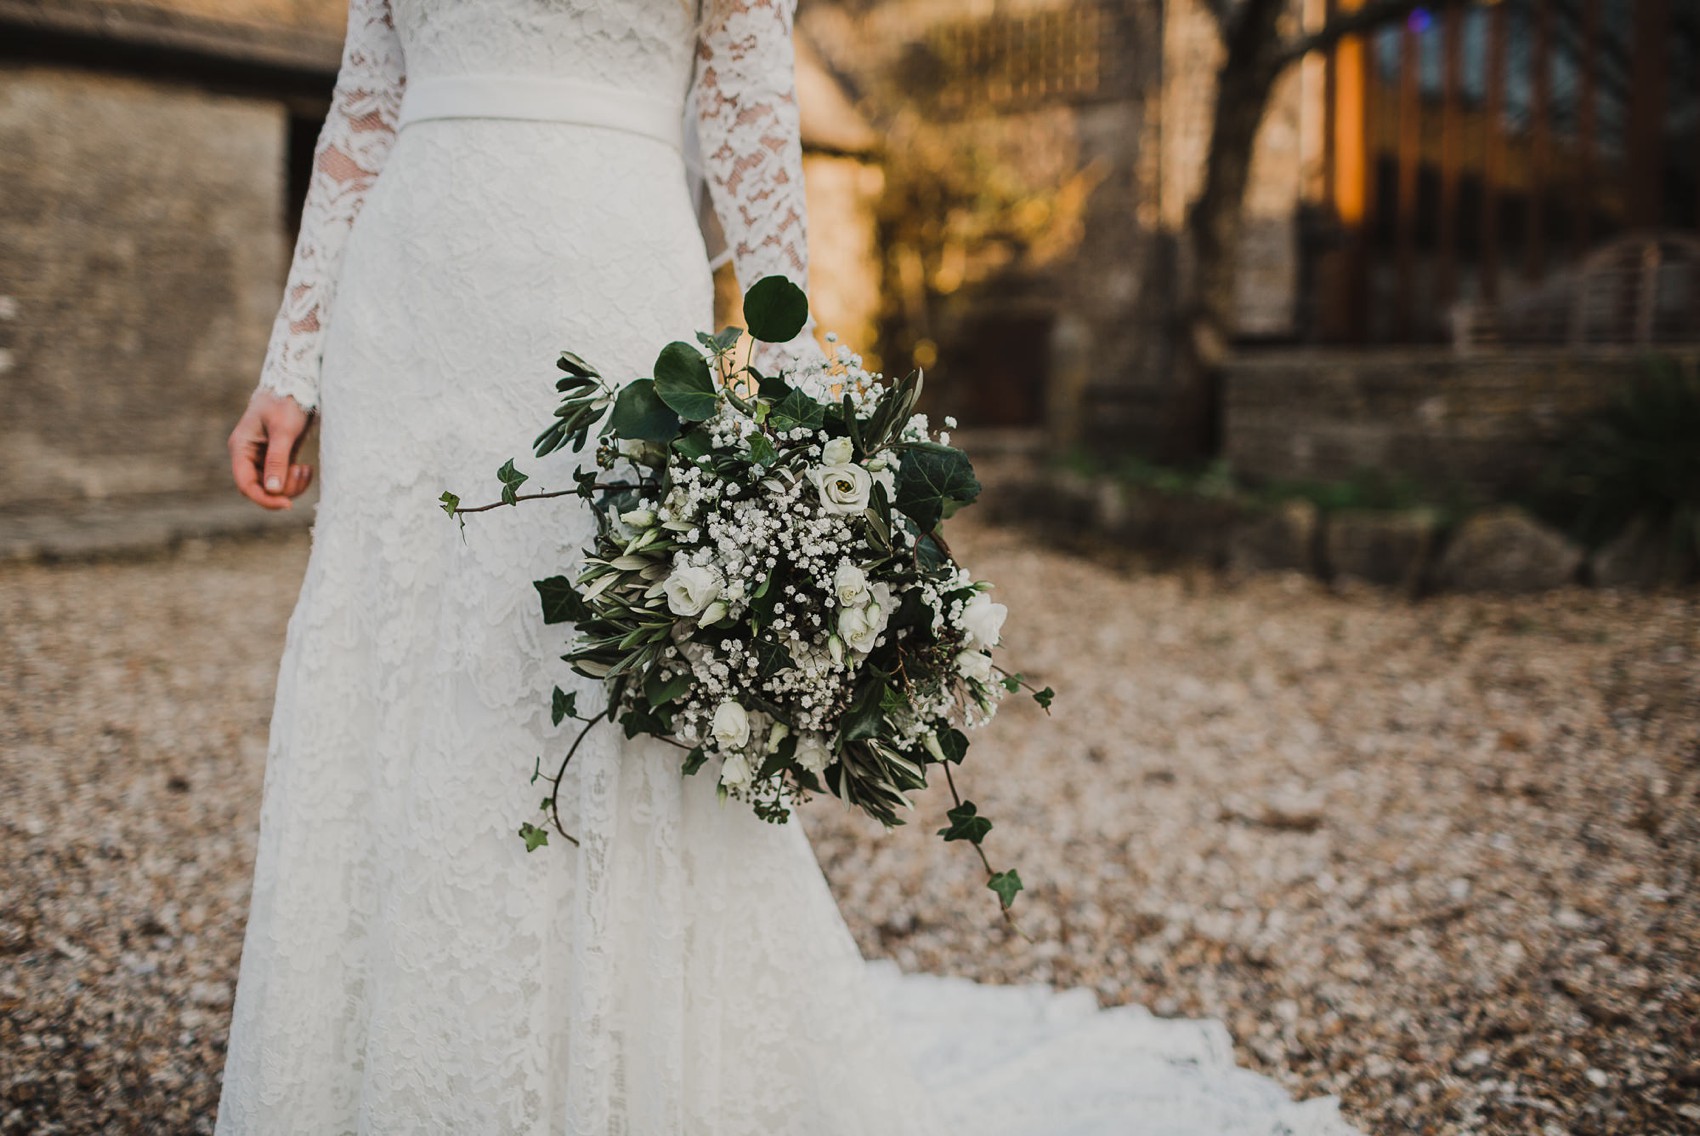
[(543, 99)]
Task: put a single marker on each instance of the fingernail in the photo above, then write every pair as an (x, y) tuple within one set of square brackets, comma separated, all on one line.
[(273, 484)]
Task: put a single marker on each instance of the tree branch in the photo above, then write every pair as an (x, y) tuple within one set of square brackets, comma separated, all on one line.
[(1371, 16), (1221, 11)]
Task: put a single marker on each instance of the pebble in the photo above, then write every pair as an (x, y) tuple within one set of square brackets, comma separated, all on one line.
[(1433, 857)]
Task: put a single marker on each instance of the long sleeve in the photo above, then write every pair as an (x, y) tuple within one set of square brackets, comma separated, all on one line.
[(752, 150), (356, 139)]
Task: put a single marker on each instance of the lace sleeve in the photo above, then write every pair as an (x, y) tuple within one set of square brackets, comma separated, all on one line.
[(352, 146), (752, 150)]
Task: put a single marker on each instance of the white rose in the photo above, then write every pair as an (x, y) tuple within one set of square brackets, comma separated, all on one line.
[(735, 772), (851, 584), (982, 620), (730, 726), (691, 588), (837, 452), (843, 488), (861, 626), (812, 753), (976, 665)]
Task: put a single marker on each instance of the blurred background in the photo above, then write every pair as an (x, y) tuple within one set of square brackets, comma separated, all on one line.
[(1334, 369), (1410, 250)]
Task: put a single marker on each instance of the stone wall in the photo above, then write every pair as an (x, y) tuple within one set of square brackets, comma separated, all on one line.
[(1480, 422), (141, 252)]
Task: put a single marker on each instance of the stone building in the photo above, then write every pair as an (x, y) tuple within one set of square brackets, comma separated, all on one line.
[(1450, 176), (153, 157)]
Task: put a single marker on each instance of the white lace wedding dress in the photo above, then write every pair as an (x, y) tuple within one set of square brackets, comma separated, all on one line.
[(408, 967)]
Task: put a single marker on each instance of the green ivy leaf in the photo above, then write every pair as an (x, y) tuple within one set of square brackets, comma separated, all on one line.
[(683, 381), (450, 502), (1011, 683), (794, 410), (561, 601), (563, 705), (533, 836), (931, 480), (511, 479), (775, 309), (694, 760), (1006, 884), (1043, 697), (955, 745), (966, 824), (762, 451), (640, 415)]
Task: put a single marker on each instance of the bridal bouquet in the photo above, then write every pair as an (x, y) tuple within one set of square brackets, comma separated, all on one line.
[(768, 587)]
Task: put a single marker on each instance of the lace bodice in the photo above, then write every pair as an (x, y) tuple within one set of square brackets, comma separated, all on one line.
[(732, 69)]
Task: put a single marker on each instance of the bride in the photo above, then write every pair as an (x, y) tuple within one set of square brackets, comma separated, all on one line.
[(497, 179)]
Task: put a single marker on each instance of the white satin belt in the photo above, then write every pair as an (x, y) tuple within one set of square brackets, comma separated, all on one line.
[(543, 99)]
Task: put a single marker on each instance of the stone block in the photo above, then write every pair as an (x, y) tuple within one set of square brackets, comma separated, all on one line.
[(1391, 549), (1282, 539), (1506, 550), (1644, 558), (141, 262)]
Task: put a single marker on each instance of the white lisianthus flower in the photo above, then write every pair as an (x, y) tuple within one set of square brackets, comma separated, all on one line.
[(837, 452), (844, 489), (730, 726), (982, 621), (976, 665), (778, 733), (813, 754), (851, 584), (735, 772), (691, 588), (639, 519)]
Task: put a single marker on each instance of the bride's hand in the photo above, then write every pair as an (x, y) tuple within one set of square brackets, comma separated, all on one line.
[(263, 447)]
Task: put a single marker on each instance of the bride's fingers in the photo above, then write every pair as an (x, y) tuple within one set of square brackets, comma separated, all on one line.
[(247, 451), (300, 477)]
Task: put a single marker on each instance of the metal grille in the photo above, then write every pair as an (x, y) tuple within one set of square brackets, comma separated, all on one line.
[(1018, 62)]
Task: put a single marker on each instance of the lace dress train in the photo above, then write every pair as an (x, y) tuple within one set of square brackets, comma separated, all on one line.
[(408, 967)]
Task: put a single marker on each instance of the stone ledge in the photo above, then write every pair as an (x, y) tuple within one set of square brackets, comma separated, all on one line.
[(116, 529), (1500, 550)]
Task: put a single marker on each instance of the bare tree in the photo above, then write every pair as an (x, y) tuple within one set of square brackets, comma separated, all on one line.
[(1256, 54)]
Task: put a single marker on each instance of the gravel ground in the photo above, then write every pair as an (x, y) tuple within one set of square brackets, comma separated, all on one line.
[(1438, 858)]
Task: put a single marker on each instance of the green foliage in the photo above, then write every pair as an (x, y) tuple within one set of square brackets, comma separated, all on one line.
[(796, 409), (1044, 697), (562, 705), (1637, 461), (640, 414), (966, 824), (775, 309), (561, 601), (932, 482), (684, 382), (533, 836), (511, 480), (1006, 884), (450, 502)]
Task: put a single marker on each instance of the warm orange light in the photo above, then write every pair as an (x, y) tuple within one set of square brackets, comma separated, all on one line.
[(1350, 86)]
